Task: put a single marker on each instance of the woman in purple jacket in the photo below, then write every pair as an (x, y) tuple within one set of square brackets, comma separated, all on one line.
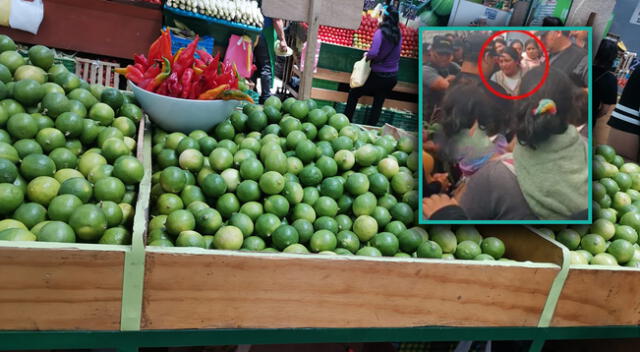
[(384, 55)]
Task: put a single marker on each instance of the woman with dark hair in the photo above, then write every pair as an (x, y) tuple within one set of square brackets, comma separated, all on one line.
[(510, 74), (385, 61), (517, 45), (546, 177), (531, 57), (605, 85), (499, 44)]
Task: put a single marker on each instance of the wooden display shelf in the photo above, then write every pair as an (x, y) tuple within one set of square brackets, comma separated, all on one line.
[(598, 296), (65, 286), (341, 97), (95, 26), (196, 288)]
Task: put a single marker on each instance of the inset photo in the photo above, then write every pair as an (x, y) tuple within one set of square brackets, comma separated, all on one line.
[(506, 129)]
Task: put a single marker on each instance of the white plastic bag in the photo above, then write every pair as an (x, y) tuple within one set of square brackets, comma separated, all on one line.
[(26, 15), (361, 71)]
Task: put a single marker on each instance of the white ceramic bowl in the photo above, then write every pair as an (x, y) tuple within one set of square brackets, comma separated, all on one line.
[(183, 115)]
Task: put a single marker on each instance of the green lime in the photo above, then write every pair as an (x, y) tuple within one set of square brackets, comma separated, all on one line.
[(622, 250), (304, 211), (284, 236), (102, 113), (180, 220), (54, 104), (627, 233), (310, 195), (78, 187), (402, 212), (309, 130), (30, 214), (326, 206), (369, 252), (395, 227), (382, 216), (214, 186), (67, 80), (276, 162), (83, 96), (570, 238), (8, 171), (593, 243), (310, 176), (328, 134), (28, 92), (364, 204), (56, 231), (332, 187), (50, 139), (189, 238), (63, 158), (242, 222), (100, 172), (318, 117), (276, 204), (61, 207), (208, 221), (168, 203), (386, 242), (365, 227), (22, 126), (445, 239), (12, 60), (109, 188), (228, 237), (220, 159), (251, 169), (34, 165), (131, 111), (468, 233), (228, 204), (323, 240), (173, 179), (253, 209), (89, 222), (339, 121), (410, 240), (16, 235), (271, 182), (357, 184), (266, 224), (112, 97), (326, 223), (253, 243), (117, 236), (429, 249), (348, 240), (293, 192), (604, 259), (248, 190)]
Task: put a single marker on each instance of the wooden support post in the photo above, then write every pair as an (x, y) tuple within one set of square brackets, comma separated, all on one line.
[(312, 43)]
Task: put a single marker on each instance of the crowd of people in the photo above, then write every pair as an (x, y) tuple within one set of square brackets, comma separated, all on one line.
[(492, 158)]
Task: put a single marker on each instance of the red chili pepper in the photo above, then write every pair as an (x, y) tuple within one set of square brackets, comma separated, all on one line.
[(163, 89), (204, 56), (142, 60), (160, 48), (222, 79), (198, 62), (186, 58), (198, 70), (140, 67), (165, 44), (235, 95), (131, 72), (173, 85), (185, 81), (161, 77), (212, 94)]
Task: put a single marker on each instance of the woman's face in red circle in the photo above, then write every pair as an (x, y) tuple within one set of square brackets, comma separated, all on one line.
[(508, 65)]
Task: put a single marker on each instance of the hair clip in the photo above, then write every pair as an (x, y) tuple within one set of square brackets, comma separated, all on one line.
[(545, 106)]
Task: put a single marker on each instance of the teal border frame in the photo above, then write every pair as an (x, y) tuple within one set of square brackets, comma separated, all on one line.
[(423, 221)]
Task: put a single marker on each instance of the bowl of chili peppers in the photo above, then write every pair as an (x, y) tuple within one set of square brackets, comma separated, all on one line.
[(186, 91)]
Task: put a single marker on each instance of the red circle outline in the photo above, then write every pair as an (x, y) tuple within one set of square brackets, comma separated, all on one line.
[(521, 96)]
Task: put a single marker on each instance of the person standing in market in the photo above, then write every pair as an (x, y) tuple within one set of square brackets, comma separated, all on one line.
[(437, 75), (624, 136), (263, 53), (566, 56), (384, 55)]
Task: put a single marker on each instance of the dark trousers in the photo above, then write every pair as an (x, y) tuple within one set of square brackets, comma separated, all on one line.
[(263, 65), (378, 85)]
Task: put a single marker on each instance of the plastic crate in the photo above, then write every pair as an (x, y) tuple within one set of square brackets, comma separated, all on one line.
[(204, 43), (98, 72), (359, 115), (405, 120)]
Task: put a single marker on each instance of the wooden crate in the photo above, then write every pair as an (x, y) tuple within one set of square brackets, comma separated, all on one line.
[(62, 286), (191, 288), (598, 296)]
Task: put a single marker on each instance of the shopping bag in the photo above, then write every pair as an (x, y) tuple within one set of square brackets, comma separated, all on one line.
[(361, 71), (5, 10), (240, 52), (26, 15)]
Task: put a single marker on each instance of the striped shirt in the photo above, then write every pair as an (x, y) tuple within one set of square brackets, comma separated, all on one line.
[(626, 116)]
